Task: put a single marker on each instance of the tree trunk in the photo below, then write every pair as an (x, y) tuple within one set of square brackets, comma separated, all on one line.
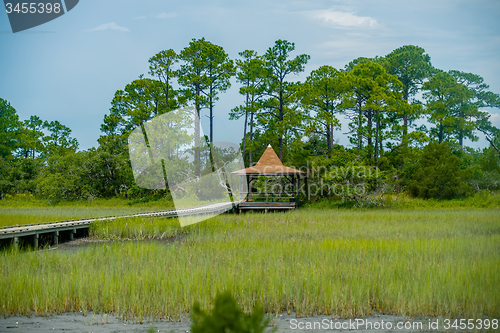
[(329, 129), (405, 129), (381, 151), (166, 95), (197, 131), (211, 118), (280, 121), (112, 178), (493, 144), (369, 139), (245, 129), (404, 142), (281, 148), (405, 118), (165, 89), (329, 138), (251, 138), (360, 115), (441, 134), (377, 129)]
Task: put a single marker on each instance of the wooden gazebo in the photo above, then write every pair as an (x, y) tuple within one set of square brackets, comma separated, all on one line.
[(269, 164)]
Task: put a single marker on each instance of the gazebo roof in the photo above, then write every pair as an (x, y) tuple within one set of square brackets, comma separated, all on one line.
[(269, 164)]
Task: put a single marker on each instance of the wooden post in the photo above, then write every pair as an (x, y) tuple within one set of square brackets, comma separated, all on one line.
[(297, 190), (249, 187), (56, 238), (35, 241), (71, 234), (15, 243), (307, 188)]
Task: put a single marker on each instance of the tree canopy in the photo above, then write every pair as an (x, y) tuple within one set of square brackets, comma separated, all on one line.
[(408, 121)]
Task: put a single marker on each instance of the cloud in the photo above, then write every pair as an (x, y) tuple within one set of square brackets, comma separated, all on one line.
[(143, 17), (341, 19), (109, 26), (166, 15), (495, 119)]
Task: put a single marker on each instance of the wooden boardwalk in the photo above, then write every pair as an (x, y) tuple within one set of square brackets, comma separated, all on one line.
[(68, 228), (254, 205)]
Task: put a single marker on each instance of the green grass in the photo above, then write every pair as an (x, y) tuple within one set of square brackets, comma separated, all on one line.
[(348, 263), (485, 199), (136, 228), (27, 200), (24, 209), (28, 211)]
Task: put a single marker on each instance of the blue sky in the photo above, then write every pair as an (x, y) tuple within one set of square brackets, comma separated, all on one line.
[(69, 69)]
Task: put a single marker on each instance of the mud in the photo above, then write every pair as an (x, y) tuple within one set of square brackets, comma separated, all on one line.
[(77, 322)]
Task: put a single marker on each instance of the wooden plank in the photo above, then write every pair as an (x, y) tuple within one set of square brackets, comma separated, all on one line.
[(267, 205), (254, 203)]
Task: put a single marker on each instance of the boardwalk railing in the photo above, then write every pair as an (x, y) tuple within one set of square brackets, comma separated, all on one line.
[(70, 227)]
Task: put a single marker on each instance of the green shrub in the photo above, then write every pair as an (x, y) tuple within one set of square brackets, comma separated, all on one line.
[(227, 317), (438, 174)]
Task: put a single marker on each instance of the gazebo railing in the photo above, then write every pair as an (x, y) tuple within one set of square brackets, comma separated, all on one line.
[(269, 196)]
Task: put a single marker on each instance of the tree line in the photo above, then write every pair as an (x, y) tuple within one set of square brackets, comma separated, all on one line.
[(402, 113)]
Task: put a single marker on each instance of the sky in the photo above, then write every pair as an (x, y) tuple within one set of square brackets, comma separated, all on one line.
[(68, 69)]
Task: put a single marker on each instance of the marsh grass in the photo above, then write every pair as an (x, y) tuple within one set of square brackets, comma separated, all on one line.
[(485, 199), (138, 228), (29, 211), (345, 263)]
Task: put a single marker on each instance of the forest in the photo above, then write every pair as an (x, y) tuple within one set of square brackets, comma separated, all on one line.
[(409, 123)]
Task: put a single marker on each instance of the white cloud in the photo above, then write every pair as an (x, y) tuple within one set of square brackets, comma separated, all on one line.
[(143, 17), (495, 119), (166, 15), (109, 26), (340, 19)]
